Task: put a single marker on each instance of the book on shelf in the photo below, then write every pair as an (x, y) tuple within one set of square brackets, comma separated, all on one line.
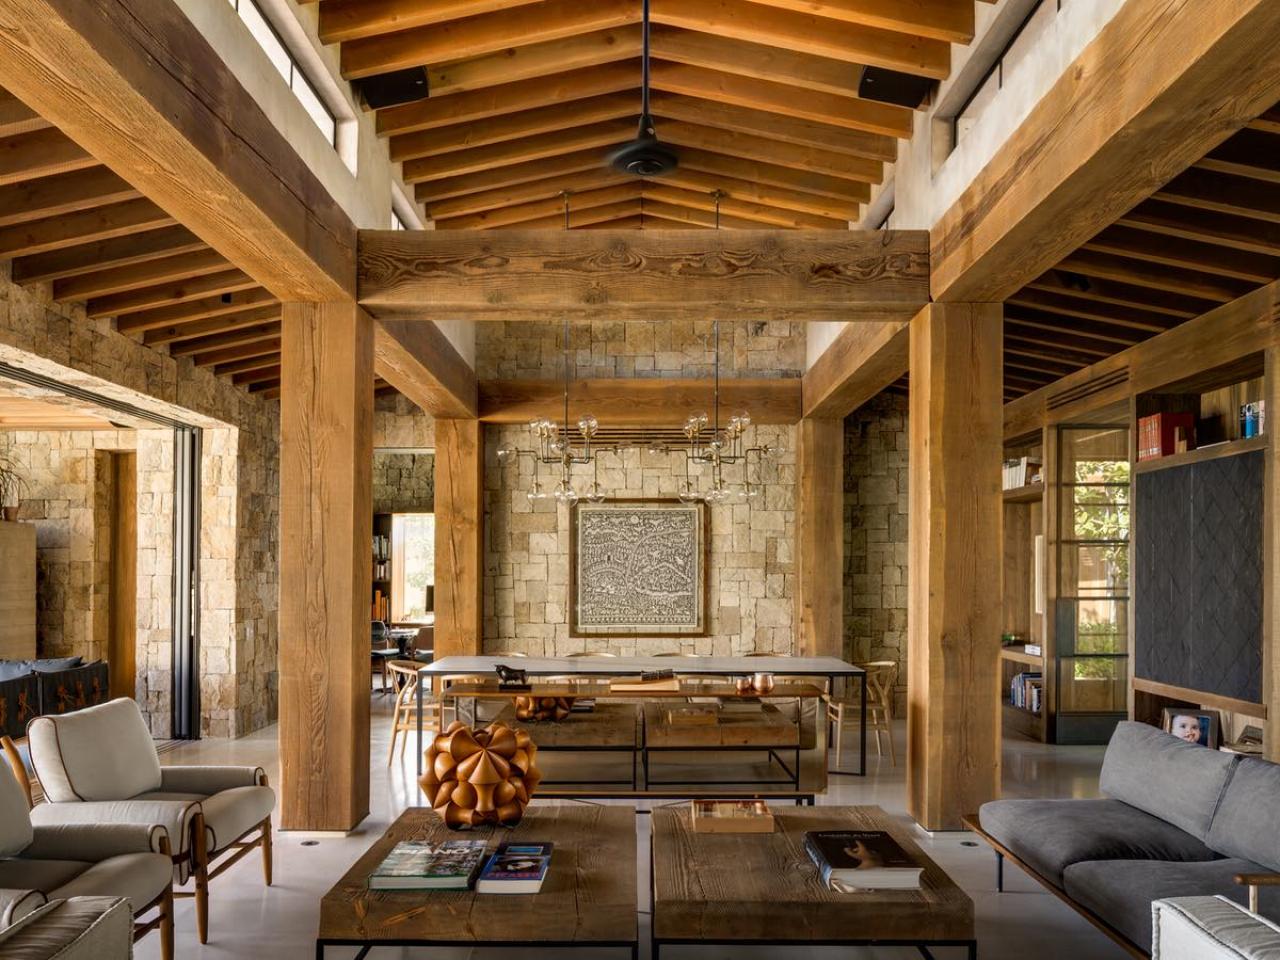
[(423, 865), (1025, 690), (862, 860), (1021, 471), (1162, 434), (381, 547), (516, 868), (731, 816)]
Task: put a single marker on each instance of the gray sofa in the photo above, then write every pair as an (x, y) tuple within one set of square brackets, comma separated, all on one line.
[(1177, 820)]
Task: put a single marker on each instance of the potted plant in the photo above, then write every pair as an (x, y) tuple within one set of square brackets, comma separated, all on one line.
[(12, 486)]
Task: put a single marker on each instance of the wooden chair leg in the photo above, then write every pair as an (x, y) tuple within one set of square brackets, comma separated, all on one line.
[(839, 732), (888, 729), (404, 739), (395, 729), (200, 865), (266, 851), (166, 925)]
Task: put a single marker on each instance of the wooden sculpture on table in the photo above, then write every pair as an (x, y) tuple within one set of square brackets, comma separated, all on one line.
[(475, 777), (542, 708)]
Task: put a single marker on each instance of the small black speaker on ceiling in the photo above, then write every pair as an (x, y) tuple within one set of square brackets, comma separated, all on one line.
[(394, 88), (890, 86)]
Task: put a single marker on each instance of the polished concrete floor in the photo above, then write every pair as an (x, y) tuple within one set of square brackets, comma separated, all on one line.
[(250, 920)]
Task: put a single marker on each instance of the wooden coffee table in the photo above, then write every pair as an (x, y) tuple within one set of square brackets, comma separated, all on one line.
[(587, 900), (762, 889)]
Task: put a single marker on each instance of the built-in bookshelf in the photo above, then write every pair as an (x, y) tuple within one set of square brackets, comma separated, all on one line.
[(380, 603), (1023, 610)]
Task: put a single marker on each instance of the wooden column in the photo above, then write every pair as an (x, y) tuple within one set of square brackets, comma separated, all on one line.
[(954, 574), (820, 537), (459, 536), (1271, 562), (326, 500)]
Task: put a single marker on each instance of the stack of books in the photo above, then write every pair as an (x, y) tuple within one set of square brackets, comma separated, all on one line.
[(1162, 434), (516, 868), (1021, 471), (422, 865), (741, 705), (852, 860), (1026, 690)]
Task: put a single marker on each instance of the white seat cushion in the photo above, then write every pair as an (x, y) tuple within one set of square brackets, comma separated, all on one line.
[(232, 813), (15, 822), (99, 753), (43, 875), (139, 876)]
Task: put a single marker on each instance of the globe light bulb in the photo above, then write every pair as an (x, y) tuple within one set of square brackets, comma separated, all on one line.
[(588, 425), (536, 492)]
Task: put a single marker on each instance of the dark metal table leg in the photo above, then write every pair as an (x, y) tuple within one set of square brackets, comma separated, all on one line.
[(418, 697), (862, 733), (999, 872)]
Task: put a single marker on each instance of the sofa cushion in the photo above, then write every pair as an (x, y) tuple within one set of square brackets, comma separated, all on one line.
[(1178, 782), (13, 669), (55, 664), (1198, 928), (1121, 891), (43, 875), (98, 928), (139, 876), (1247, 823), (99, 753), (1050, 835), (15, 819)]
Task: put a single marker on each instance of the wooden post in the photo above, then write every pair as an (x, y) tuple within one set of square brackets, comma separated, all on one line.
[(955, 548), (326, 501), (820, 537), (1271, 562), (459, 536)]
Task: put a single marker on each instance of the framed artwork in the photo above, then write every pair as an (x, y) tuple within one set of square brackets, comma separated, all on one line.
[(638, 568), (1194, 726)]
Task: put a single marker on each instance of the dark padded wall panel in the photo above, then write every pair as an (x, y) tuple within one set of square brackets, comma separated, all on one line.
[(1198, 576)]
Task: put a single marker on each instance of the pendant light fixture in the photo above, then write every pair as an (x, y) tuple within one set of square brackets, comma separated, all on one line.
[(644, 156)]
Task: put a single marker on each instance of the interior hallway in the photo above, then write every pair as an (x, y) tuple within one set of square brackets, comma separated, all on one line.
[(279, 922)]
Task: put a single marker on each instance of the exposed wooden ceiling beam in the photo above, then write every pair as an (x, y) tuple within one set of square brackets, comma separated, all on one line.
[(514, 126), (1177, 220), (1088, 310), (775, 152), (863, 359), (183, 291), (645, 402), (106, 254), (723, 165), (62, 194), (252, 324), (476, 105), (481, 34), (551, 273), (782, 98), (633, 222), (581, 219), (545, 189), (16, 117), (1189, 282), (1025, 317), (551, 208), (1267, 122), (480, 159), (433, 191), (775, 126), (736, 207), (98, 223), (692, 216), (254, 333), (143, 320), (1189, 254), (419, 361), (257, 348), (1156, 89), (264, 375), (1225, 193), (103, 283), (1055, 339), (1250, 153), (41, 153), (352, 19), (800, 200), (937, 19), (1064, 283), (531, 60), (1029, 348), (247, 364), (151, 98), (805, 33)]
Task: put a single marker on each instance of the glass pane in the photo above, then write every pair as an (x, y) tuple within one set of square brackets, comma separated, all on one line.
[(1095, 455), (1095, 513), (413, 535), (1102, 626), (314, 106), (1093, 685), (1094, 570), (266, 37)]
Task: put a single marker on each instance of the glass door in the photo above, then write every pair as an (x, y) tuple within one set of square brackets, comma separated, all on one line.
[(413, 567), (1092, 615)]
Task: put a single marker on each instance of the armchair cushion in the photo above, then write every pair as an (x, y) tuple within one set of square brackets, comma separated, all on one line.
[(44, 876), (97, 928), (15, 821), (99, 753), (230, 814), (16, 904), (174, 816), (206, 781), (1211, 928), (141, 877), (93, 842)]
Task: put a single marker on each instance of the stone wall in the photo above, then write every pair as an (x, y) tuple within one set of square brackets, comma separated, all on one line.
[(751, 574), (875, 533), (749, 348), (240, 501), (404, 482)]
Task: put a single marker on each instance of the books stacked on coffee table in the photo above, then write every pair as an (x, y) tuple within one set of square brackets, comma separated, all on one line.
[(851, 860), (423, 865), (651, 681), (516, 868), (737, 706)]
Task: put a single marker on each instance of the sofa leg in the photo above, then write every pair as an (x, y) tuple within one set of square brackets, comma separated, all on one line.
[(200, 858), (166, 926), (266, 851), (999, 873)]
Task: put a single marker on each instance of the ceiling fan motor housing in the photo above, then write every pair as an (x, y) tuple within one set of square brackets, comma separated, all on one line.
[(644, 156)]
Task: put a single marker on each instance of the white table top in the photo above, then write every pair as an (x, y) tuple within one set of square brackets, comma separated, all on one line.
[(625, 666)]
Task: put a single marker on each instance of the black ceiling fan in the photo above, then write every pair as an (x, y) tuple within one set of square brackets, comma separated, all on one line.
[(644, 156)]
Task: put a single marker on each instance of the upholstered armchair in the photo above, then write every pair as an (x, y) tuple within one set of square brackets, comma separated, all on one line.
[(82, 928), (39, 864), (100, 766)]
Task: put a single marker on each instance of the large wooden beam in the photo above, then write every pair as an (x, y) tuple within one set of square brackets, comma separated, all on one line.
[(459, 537), (862, 361), (326, 446), (629, 402), (954, 563), (820, 537), (614, 274), (150, 98), (1162, 84), (419, 361)]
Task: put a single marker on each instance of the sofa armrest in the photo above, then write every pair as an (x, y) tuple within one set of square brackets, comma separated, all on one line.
[(95, 842), (208, 780), (1210, 928), (16, 904), (173, 816), (79, 928)]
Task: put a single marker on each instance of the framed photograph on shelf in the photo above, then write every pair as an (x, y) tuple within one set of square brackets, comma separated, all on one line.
[(638, 568), (1194, 726)]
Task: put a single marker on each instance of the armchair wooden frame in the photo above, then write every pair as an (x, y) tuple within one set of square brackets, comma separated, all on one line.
[(162, 920)]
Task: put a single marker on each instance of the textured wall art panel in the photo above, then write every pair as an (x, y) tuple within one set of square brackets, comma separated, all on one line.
[(638, 568)]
